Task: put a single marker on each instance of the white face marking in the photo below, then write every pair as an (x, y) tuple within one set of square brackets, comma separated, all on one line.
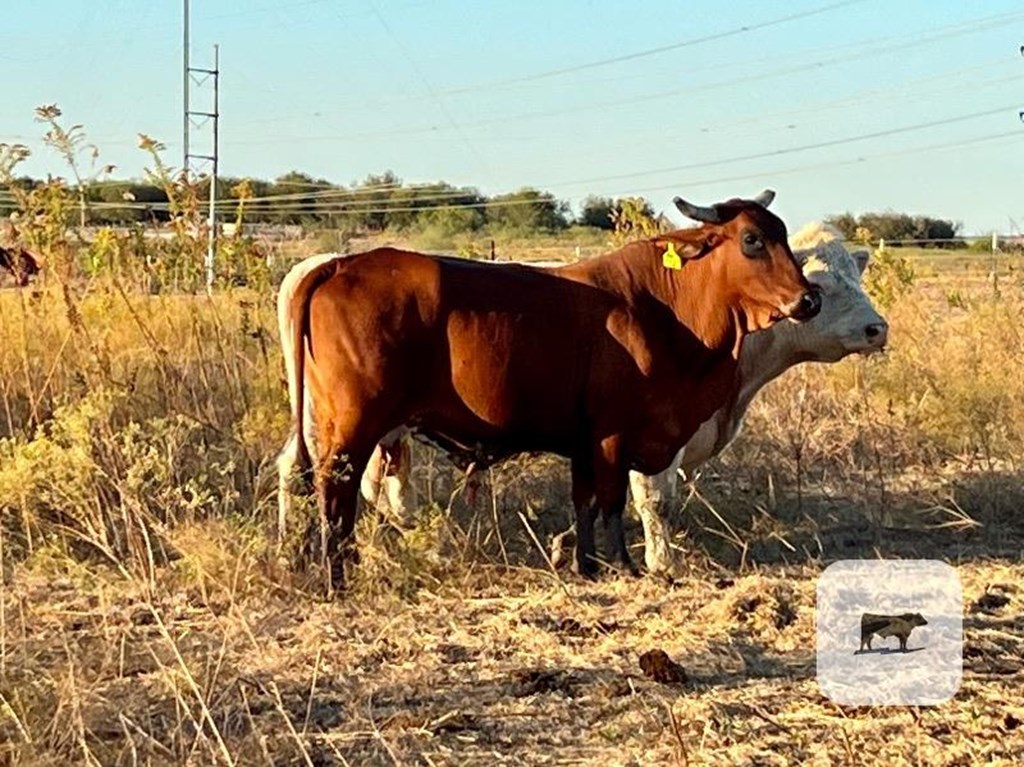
[(847, 323)]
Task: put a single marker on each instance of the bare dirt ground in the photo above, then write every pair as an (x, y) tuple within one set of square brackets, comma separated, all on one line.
[(484, 664)]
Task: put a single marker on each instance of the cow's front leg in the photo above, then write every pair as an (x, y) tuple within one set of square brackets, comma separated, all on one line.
[(653, 496), (610, 481)]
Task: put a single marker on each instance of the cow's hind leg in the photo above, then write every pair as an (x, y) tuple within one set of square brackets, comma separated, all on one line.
[(293, 480), (334, 536), (346, 448), (584, 558)]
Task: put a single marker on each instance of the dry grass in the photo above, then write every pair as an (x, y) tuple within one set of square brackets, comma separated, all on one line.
[(146, 619)]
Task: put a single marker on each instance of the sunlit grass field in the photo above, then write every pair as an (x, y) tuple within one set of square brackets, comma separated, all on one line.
[(148, 617)]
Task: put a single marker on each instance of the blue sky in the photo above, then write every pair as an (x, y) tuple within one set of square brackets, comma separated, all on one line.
[(858, 105)]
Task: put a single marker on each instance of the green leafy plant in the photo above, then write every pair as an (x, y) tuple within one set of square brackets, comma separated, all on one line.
[(889, 277), (633, 219)]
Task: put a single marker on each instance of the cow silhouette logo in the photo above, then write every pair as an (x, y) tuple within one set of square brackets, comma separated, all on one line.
[(889, 632), (885, 626)]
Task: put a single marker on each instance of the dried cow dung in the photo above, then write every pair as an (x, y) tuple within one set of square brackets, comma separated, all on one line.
[(658, 666), (989, 602)]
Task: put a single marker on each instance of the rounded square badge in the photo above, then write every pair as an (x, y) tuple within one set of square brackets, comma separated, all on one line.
[(890, 632)]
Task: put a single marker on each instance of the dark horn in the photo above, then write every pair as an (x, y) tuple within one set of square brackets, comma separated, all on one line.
[(765, 198), (697, 212)]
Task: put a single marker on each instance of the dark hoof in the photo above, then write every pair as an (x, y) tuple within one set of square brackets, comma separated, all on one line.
[(588, 568), (337, 582)]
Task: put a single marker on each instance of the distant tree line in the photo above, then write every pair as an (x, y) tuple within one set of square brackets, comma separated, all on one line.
[(378, 203), (897, 227), (383, 202)]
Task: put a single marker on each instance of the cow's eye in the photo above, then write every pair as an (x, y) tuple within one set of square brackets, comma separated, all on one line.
[(753, 245)]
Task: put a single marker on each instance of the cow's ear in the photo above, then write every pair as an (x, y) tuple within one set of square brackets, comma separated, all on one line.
[(705, 244), (693, 249), (676, 250), (861, 258)]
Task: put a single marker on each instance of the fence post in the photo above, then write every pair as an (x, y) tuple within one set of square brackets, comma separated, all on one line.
[(881, 245), (994, 276)]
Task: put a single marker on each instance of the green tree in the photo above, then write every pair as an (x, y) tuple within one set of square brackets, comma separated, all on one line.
[(528, 210), (126, 202), (896, 227), (297, 199), (845, 223), (634, 219), (597, 212), (371, 199)]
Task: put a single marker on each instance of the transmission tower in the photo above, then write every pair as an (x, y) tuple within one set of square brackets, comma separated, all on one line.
[(199, 119)]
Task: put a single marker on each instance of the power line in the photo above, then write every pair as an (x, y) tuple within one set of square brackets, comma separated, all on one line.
[(348, 206), (856, 98), (989, 138), (438, 101), (899, 45), (656, 51), (862, 49), (890, 91), (793, 150), (893, 90), (952, 30), (804, 147)]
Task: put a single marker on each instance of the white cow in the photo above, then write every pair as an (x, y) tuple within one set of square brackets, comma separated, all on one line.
[(847, 324)]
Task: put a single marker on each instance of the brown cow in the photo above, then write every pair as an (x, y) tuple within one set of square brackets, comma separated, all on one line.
[(613, 362), (20, 263)]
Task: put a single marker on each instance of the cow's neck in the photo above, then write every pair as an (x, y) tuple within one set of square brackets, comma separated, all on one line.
[(637, 269), (767, 355), (719, 326)]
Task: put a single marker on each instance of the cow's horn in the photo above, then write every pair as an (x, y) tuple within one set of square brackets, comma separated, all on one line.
[(765, 198), (697, 212)]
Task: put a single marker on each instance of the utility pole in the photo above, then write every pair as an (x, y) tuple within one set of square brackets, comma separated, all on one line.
[(212, 225), (184, 93), (198, 76)]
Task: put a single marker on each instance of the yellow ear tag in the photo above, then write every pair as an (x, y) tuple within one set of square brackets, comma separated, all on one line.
[(670, 259)]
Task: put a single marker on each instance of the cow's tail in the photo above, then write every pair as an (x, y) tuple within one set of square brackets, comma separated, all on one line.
[(299, 322)]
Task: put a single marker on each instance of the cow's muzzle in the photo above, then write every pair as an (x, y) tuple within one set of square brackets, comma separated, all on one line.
[(876, 335), (805, 307)]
